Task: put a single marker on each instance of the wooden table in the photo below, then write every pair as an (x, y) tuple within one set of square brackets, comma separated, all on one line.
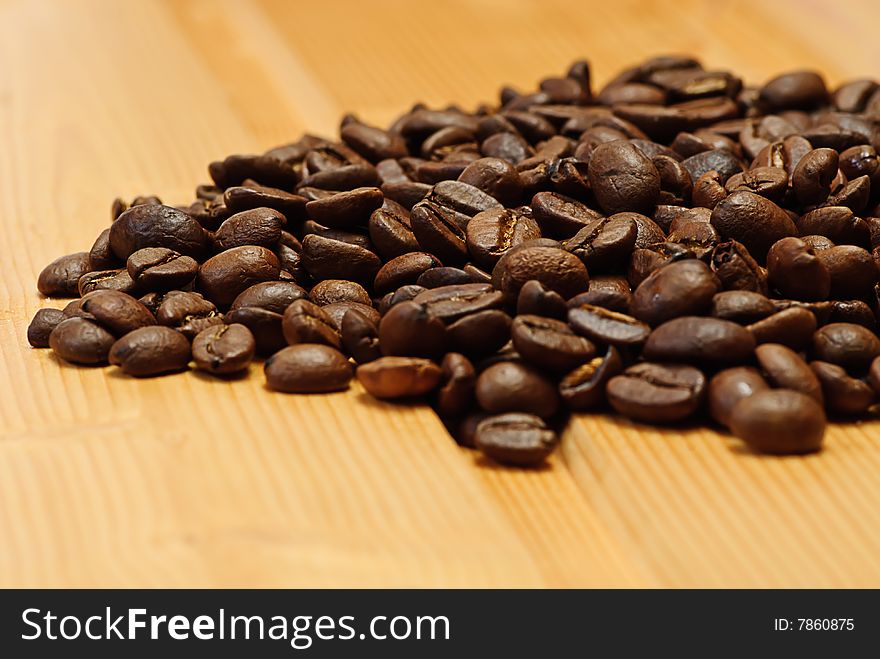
[(190, 481)]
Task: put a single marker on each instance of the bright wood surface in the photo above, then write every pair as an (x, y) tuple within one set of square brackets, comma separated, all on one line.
[(189, 481)]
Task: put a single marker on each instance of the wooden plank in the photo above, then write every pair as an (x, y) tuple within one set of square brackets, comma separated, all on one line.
[(185, 480)]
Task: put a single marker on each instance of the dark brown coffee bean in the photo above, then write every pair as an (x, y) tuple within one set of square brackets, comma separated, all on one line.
[(345, 209), (845, 344), (811, 179), (480, 334), (308, 368), (462, 198), (402, 270), (861, 161), (549, 343), (795, 272), (730, 386), (239, 198), (838, 224), (265, 325), (116, 312), (337, 312), (853, 311), (402, 294), (495, 177), (258, 226), (360, 337), (437, 230), (779, 421), (801, 90), (267, 170), (843, 394), (680, 288), (721, 161), (446, 276), (793, 327), (534, 298), (449, 303), (456, 395), (61, 277), (150, 351), (492, 233), (604, 244), (81, 341), (853, 271), (515, 439), (609, 291), (306, 322), (561, 216), (391, 233), (224, 276), (741, 307), (752, 220), (399, 377), (769, 182), (584, 387), (271, 295), (410, 329), (325, 258), (708, 191), (623, 178), (515, 387), (736, 269), (786, 369), (699, 340), (657, 393), (406, 193), (106, 280), (606, 326), (153, 225), (101, 257), (224, 349), (330, 291), (555, 268), (350, 237), (161, 269), (41, 326), (372, 143)]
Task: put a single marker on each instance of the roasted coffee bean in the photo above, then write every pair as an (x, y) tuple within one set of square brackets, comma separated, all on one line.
[(794, 270), (605, 243), (802, 90), (456, 395), (515, 439), (306, 322), (779, 421), (410, 329), (391, 232), (258, 226), (657, 393), (860, 161), (730, 386), (680, 288), (449, 303), (462, 197), (41, 326), (116, 312), (373, 143), (607, 327), (224, 276), (326, 258), (149, 351), (106, 280), (265, 325), (843, 394), (785, 369), (561, 216), (240, 198), (360, 337), (153, 225), (623, 178), (550, 344), (350, 237), (584, 387), (852, 269), (402, 270), (793, 327), (345, 209), (438, 231), (224, 349), (534, 298), (271, 295), (267, 170), (720, 161), (609, 291), (480, 334), (446, 276), (61, 277), (845, 344), (743, 307), (699, 340), (337, 312), (492, 233), (308, 368), (81, 341), (555, 268), (853, 311), (515, 387), (330, 291), (736, 269), (811, 179), (161, 269), (402, 294), (838, 224), (495, 177), (708, 190), (769, 182), (752, 220), (101, 257), (399, 377)]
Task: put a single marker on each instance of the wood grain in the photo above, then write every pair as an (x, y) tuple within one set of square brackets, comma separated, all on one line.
[(189, 481)]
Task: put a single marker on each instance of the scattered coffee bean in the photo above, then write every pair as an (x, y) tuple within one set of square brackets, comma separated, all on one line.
[(657, 393), (223, 349), (44, 321), (399, 377), (515, 438), (785, 369), (728, 387), (61, 277), (150, 351), (779, 421), (515, 387), (308, 368)]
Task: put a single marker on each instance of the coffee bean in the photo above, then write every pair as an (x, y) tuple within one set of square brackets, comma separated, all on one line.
[(609, 291), (402, 294), (555, 268), (793, 327), (153, 225), (584, 387), (604, 243), (449, 303), (266, 169), (270, 295), (852, 269), (794, 270), (853, 311), (802, 90), (657, 393), (606, 326), (811, 179), (41, 326), (843, 394), (623, 178), (330, 291), (224, 349), (410, 329), (492, 233), (106, 280), (265, 325), (561, 216), (480, 334), (681, 288), (161, 269), (534, 298), (402, 270), (728, 387), (345, 209), (308, 368), (101, 257), (550, 344), (240, 198), (399, 377), (81, 341), (741, 307), (372, 143), (305, 322), (456, 395), (116, 312), (438, 231), (391, 233), (446, 276), (515, 438), (845, 344), (149, 351), (699, 340), (779, 421), (720, 161), (769, 182), (785, 369), (515, 387), (736, 269), (224, 276), (752, 220), (337, 311), (495, 177), (838, 224), (326, 258), (258, 226)]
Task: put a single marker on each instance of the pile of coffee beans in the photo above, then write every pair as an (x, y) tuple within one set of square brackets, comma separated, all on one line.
[(678, 246)]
